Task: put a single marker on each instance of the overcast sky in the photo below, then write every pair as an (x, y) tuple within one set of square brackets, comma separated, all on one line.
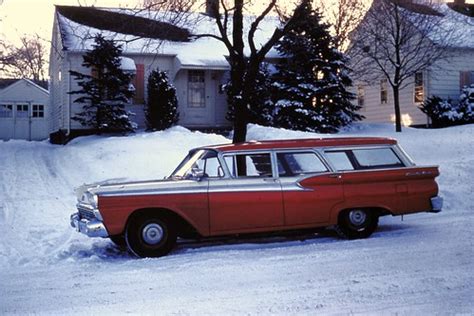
[(19, 17)]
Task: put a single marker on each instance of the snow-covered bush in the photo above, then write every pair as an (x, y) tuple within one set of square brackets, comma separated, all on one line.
[(445, 113), (162, 105), (466, 103)]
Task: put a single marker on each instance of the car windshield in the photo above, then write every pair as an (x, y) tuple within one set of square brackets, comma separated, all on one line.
[(198, 162)]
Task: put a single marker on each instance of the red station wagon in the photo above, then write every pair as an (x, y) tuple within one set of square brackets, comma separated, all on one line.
[(262, 186)]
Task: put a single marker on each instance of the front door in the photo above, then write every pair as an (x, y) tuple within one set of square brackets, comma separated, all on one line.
[(199, 110), (249, 201)]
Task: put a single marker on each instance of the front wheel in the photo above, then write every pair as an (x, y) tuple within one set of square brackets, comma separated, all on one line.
[(119, 240), (150, 236), (357, 223)]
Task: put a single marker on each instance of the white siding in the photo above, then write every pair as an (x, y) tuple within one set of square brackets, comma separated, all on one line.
[(376, 112), (444, 79)]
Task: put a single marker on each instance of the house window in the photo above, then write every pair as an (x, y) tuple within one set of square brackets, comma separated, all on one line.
[(22, 111), (38, 110), (6, 110), (419, 93), (466, 78), (360, 96), (196, 89), (383, 91)]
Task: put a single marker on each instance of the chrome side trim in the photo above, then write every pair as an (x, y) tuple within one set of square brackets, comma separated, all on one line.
[(156, 191), (91, 228), (436, 204)]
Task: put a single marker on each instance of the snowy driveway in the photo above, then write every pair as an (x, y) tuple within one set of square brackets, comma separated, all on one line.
[(421, 265)]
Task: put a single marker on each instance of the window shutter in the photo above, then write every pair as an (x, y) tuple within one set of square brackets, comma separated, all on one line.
[(139, 84), (464, 79)]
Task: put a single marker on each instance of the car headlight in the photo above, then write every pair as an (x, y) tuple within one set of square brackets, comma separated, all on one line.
[(89, 198)]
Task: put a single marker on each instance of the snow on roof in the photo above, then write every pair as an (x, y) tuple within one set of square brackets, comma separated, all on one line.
[(451, 28), (462, 26), (199, 52)]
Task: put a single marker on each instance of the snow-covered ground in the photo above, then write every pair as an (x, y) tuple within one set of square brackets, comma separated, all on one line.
[(423, 265)]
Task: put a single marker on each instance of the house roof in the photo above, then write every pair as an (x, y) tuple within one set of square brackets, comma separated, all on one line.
[(18, 81), (142, 32), (6, 82), (124, 23), (460, 25)]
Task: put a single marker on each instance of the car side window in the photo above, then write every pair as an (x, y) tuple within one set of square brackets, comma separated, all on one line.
[(290, 164), (340, 160), (364, 158), (249, 165), (376, 158)]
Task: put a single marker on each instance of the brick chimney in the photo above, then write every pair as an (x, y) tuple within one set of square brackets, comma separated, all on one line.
[(212, 8)]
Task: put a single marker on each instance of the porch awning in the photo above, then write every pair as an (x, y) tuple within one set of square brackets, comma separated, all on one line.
[(127, 64), (200, 61)]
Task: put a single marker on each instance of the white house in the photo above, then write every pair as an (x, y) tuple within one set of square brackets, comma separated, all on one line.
[(197, 68), (24, 110), (444, 79)]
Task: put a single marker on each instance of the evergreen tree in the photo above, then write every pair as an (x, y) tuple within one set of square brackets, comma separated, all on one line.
[(162, 106), (104, 90), (310, 85)]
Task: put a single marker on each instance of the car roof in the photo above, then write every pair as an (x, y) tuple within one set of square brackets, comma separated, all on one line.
[(302, 143)]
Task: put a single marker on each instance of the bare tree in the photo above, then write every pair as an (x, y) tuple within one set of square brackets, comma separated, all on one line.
[(26, 61), (5, 57), (396, 40), (229, 17), (343, 16)]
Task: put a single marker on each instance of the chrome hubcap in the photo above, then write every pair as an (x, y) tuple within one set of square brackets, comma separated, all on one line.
[(152, 233), (357, 217)]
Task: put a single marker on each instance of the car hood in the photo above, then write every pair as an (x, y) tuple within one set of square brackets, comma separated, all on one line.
[(119, 187)]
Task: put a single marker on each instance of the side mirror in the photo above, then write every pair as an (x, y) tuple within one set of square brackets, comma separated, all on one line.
[(197, 173)]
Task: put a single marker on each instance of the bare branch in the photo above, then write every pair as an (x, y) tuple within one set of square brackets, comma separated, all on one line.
[(254, 25)]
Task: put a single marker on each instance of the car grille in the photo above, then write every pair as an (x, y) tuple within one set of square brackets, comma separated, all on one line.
[(87, 214)]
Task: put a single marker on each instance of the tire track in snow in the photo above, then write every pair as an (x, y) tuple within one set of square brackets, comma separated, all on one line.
[(35, 223)]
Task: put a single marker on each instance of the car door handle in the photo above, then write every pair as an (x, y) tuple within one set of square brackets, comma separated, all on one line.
[(335, 175), (270, 180)]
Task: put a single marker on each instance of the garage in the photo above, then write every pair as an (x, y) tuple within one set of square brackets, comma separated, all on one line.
[(24, 110)]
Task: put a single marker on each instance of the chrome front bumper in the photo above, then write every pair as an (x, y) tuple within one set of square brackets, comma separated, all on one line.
[(436, 204), (89, 227)]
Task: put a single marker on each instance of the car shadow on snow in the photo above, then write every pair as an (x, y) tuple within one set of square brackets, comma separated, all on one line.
[(106, 250)]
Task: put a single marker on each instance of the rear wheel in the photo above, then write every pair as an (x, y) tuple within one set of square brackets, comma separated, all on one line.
[(150, 236), (357, 223)]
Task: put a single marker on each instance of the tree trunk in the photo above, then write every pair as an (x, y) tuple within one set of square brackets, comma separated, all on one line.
[(240, 123), (396, 103)]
